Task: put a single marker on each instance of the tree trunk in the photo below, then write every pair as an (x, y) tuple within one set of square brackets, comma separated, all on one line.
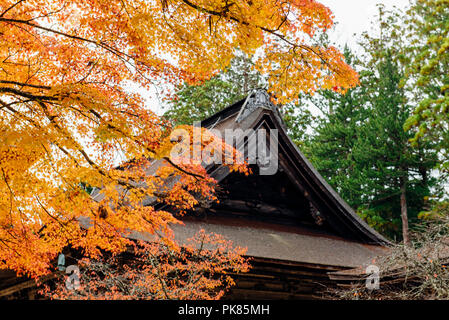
[(404, 216), (245, 81)]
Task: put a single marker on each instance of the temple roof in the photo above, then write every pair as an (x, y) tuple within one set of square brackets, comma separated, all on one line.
[(257, 111), (292, 215)]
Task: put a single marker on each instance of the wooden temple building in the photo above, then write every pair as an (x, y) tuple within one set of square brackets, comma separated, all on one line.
[(297, 230)]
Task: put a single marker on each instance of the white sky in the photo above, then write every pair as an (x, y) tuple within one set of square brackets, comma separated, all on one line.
[(355, 17), (352, 16)]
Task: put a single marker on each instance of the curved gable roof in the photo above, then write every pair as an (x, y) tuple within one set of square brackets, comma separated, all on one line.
[(299, 169)]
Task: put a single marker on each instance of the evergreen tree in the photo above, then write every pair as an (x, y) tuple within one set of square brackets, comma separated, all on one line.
[(426, 28), (361, 147), (396, 175), (331, 146)]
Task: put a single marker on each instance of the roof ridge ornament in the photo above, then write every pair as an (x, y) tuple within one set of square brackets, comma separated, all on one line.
[(258, 98)]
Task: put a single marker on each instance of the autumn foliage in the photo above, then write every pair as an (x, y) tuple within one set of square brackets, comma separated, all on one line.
[(68, 117), (202, 269)]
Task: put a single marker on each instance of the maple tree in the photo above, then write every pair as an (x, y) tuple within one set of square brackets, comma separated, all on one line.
[(200, 270), (198, 102), (66, 112)]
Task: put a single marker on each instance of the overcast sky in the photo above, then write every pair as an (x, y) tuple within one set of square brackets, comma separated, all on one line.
[(352, 17), (355, 16)]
